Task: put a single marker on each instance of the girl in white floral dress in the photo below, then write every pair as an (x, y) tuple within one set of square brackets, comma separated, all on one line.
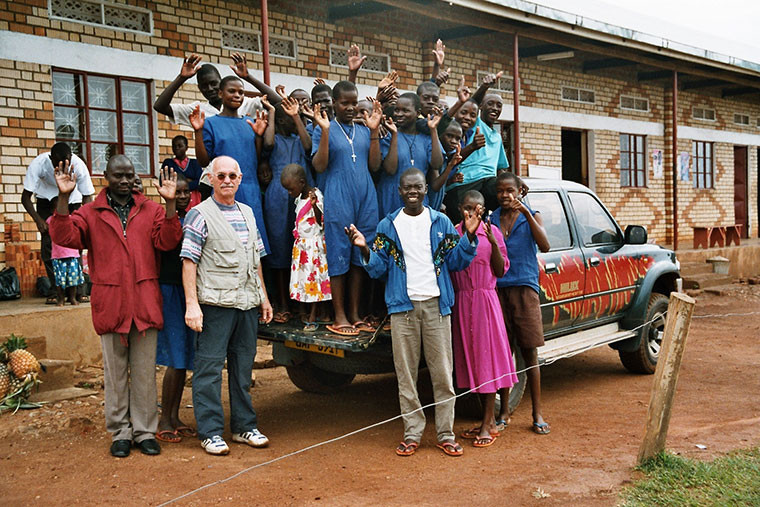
[(309, 281)]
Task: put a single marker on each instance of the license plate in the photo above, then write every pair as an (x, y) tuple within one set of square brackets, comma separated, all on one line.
[(319, 349)]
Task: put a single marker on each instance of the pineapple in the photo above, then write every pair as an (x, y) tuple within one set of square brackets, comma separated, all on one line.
[(5, 380), (20, 361), (15, 385)]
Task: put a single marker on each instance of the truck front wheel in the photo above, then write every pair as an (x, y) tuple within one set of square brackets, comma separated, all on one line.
[(312, 379), (644, 358)]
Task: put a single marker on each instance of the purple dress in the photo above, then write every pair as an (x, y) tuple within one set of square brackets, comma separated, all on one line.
[(481, 348)]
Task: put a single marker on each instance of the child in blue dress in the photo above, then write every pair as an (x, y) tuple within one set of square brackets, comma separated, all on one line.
[(346, 153), (289, 144), (413, 149), (236, 137)]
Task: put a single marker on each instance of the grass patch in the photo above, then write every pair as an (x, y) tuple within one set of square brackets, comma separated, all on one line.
[(733, 479)]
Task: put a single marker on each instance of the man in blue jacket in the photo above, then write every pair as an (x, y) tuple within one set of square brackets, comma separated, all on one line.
[(415, 248)]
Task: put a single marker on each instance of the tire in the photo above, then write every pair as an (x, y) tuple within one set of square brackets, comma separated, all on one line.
[(644, 358), (312, 379), (470, 406)]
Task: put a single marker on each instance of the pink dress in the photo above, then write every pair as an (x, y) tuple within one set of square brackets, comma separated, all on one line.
[(481, 348)]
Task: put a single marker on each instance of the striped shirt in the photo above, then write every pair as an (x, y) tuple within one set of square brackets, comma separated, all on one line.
[(196, 231)]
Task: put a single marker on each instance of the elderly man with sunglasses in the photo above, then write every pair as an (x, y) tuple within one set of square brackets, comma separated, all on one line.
[(224, 293)]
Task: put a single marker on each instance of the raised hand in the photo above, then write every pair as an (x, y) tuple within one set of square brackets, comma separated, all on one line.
[(389, 125), (389, 80), (456, 157), (290, 106), (64, 178), (439, 52), (442, 77), (489, 232), (491, 79), (307, 111), (267, 105), (190, 66), (321, 119), (478, 140), (373, 121), (280, 89), (262, 119), (355, 237), (168, 186), (386, 94), (355, 58), (435, 118), (239, 65), (472, 221), (463, 92), (197, 118), (318, 81), (313, 197)]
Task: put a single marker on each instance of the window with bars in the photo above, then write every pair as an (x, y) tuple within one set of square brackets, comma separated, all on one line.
[(703, 155), (703, 113), (741, 119), (100, 116), (239, 39), (107, 14), (633, 161), (631, 103), (504, 84), (578, 95), (375, 62)]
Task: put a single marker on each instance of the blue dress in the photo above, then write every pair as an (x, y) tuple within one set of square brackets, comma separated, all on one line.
[(192, 172), (350, 196), (224, 135), (279, 208)]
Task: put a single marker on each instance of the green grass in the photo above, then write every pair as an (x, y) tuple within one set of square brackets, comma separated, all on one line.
[(671, 480)]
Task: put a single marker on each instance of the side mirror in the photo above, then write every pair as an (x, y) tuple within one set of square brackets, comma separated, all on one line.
[(635, 235)]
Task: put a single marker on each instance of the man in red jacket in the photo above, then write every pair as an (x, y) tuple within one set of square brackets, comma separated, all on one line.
[(123, 231)]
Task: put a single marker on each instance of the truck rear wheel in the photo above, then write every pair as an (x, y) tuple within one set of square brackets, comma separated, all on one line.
[(469, 405), (312, 379), (644, 358)]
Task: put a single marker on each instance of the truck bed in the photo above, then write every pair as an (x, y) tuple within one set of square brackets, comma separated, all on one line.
[(292, 331)]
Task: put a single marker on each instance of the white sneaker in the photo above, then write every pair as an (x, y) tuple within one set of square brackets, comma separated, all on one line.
[(254, 438), (215, 445)]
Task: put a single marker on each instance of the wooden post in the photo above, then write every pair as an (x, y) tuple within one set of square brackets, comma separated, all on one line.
[(677, 325)]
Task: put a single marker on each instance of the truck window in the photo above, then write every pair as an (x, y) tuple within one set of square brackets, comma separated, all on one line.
[(554, 218), (594, 224)]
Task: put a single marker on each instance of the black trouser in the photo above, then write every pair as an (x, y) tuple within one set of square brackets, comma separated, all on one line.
[(486, 186), (45, 209)]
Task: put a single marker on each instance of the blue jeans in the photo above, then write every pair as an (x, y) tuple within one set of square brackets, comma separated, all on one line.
[(230, 333)]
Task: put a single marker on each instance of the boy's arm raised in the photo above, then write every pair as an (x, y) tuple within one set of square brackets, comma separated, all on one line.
[(322, 156), (375, 262), (197, 120), (190, 66), (240, 68), (488, 82)]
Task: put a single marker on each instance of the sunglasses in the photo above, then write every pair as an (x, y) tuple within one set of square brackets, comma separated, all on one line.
[(224, 176)]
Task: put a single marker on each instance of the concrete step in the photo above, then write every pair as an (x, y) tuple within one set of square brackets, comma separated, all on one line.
[(706, 280), (59, 374), (695, 268)]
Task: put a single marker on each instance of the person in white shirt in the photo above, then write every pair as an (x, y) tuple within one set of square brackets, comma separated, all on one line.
[(40, 182)]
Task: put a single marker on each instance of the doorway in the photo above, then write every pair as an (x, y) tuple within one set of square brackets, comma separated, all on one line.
[(741, 208), (574, 156)]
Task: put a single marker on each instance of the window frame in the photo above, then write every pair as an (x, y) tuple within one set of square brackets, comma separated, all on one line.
[(257, 34), (696, 172), (565, 211), (87, 142), (634, 172), (740, 116), (103, 4), (579, 90), (386, 56), (634, 98), (699, 118), (578, 225)]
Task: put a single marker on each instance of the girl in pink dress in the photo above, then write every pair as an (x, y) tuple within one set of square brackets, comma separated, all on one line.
[(481, 348)]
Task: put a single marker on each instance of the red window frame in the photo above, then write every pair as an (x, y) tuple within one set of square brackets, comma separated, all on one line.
[(637, 161), (703, 153), (87, 141)]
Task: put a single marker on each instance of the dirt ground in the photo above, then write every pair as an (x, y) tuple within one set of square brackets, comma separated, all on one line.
[(59, 454)]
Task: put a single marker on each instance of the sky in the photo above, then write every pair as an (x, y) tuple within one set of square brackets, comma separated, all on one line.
[(725, 26)]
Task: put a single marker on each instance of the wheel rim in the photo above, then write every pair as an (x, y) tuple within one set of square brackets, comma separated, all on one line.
[(654, 336)]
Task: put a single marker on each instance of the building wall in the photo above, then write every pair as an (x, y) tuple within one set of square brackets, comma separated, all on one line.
[(180, 27)]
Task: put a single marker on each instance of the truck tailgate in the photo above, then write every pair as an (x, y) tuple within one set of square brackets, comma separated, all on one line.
[(293, 332)]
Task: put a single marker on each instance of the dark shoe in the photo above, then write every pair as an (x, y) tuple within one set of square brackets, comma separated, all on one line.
[(120, 448), (149, 447)]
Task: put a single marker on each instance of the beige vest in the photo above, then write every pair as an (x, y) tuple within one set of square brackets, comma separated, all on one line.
[(228, 270)]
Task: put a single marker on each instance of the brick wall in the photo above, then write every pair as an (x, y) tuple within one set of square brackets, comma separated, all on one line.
[(181, 26)]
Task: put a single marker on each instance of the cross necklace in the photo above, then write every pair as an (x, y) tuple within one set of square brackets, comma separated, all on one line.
[(411, 148), (349, 139)]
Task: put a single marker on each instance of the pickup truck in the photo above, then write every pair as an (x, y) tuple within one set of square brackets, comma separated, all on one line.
[(599, 284)]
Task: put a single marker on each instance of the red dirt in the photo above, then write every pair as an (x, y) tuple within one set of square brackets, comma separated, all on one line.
[(59, 454)]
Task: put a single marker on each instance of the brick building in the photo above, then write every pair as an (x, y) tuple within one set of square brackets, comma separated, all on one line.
[(595, 100)]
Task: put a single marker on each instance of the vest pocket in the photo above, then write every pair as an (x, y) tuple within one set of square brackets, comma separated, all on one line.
[(222, 280), (225, 254)]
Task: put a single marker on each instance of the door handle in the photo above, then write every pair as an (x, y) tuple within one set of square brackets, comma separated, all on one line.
[(594, 261), (550, 268)]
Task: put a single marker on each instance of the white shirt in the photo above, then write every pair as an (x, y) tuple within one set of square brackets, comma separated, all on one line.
[(40, 179), (414, 234), (181, 112)]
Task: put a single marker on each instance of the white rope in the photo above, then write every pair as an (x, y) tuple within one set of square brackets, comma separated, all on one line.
[(386, 421)]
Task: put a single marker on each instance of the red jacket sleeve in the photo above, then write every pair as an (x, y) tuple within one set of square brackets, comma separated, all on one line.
[(167, 232), (69, 230)]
